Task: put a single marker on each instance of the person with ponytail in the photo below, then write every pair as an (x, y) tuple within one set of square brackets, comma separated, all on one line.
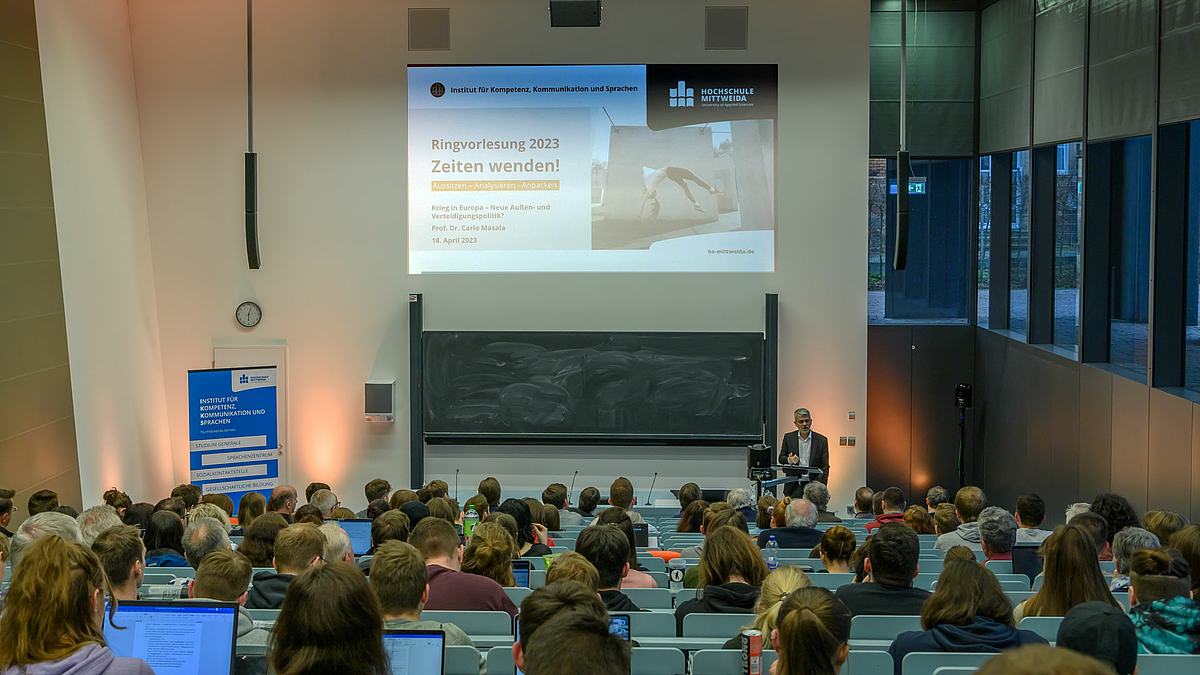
[(775, 589), (53, 618), (837, 546), (968, 612), (811, 634), (1165, 616)]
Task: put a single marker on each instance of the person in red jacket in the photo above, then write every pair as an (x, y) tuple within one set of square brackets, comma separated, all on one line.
[(893, 509)]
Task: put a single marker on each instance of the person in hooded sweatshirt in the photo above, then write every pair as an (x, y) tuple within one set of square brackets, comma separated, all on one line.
[(969, 502), (297, 548), (223, 576), (968, 613), (1165, 616), (607, 549), (731, 574), (52, 624)]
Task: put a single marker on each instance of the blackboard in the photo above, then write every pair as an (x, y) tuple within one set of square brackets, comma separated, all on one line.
[(593, 387)]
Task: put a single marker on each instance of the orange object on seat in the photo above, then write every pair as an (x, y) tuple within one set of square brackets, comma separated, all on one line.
[(665, 555)]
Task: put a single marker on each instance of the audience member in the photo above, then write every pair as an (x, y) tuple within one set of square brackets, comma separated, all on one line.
[(837, 545), (968, 612), (960, 553), (489, 553), (863, 497), (1187, 542), (449, 587), (283, 501), (376, 488), (490, 487), (377, 508), (42, 501), (537, 514), (1102, 632), (6, 510), (480, 504), (438, 488), (164, 540), (95, 520), (1097, 527), (997, 533), (342, 513), (968, 504), (893, 509), (214, 511), (553, 518), (858, 562), (527, 539), (138, 515), (251, 506), (741, 500), (936, 496), (223, 501), (620, 495), (1042, 660), (812, 634), (891, 563), (224, 576), (718, 515), (440, 508), (1164, 614), (919, 519), (778, 585), (1076, 509), (636, 577), (945, 519), (589, 499), (259, 543), (571, 566), (1125, 543), (401, 497), (325, 501), (692, 517), (1116, 511), (188, 494), (555, 495), (313, 488), (123, 556), (541, 609), (816, 493), (172, 504), (203, 536), (731, 572), (416, 511), (297, 548), (401, 581), (330, 622), (53, 614), (778, 516), (45, 524), (877, 504), (607, 549), (1071, 575), (112, 497), (800, 531), (337, 544), (1031, 513), (68, 510), (5, 552), (1163, 524), (766, 506), (308, 514), (688, 493)]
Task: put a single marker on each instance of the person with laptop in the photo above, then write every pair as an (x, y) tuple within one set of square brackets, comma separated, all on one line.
[(401, 581), (606, 547), (544, 603), (390, 525), (123, 556), (297, 548), (54, 612), (224, 576), (337, 544), (449, 587), (330, 622)]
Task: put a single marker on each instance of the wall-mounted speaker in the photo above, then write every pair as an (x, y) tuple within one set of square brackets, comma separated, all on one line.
[(574, 13), (429, 29), (380, 404), (726, 27)]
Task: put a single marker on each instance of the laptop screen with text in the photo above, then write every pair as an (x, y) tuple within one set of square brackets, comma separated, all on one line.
[(415, 652), (360, 534), (176, 638)]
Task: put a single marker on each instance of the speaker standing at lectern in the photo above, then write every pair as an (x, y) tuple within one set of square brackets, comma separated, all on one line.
[(804, 447)]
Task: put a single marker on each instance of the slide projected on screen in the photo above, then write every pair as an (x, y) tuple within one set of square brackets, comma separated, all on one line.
[(643, 168)]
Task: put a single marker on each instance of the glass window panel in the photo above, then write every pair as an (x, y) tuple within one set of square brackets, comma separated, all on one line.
[(1192, 292), (1129, 255), (1018, 254), (877, 253), (1068, 196), (984, 262)]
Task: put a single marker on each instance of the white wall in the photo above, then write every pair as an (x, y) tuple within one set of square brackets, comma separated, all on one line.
[(330, 132), (104, 245)]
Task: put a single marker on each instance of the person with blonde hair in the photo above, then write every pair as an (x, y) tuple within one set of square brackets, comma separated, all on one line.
[(731, 574), (812, 634), (775, 589), (489, 553), (837, 545), (54, 614), (571, 566)]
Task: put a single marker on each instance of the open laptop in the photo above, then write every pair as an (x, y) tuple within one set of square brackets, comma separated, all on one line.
[(359, 530), (520, 569), (184, 637), (416, 652)]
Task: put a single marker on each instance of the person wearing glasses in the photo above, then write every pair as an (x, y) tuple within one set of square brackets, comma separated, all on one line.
[(7, 510), (804, 447)]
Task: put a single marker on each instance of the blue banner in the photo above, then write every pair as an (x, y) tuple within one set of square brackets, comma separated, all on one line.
[(233, 431)]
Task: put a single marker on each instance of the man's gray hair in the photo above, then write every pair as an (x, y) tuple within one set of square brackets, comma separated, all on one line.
[(337, 542), (95, 520), (45, 524), (325, 501), (801, 411), (818, 494), (938, 495), (1076, 509), (739, 498), (801, 513), (997, 529), (203, 536), (1127, 541)]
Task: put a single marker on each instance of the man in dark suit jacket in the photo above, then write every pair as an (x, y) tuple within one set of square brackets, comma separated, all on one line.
[(804, 447)]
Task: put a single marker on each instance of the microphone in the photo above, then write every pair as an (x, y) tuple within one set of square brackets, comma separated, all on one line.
[(456, 485), (572, 490), (651, 492)]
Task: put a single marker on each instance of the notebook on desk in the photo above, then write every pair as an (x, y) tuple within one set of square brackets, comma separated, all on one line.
[(184, 637)]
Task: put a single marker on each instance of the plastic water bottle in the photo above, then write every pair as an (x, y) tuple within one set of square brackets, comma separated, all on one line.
[(470, 521), (772, 550), (675, 573)]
